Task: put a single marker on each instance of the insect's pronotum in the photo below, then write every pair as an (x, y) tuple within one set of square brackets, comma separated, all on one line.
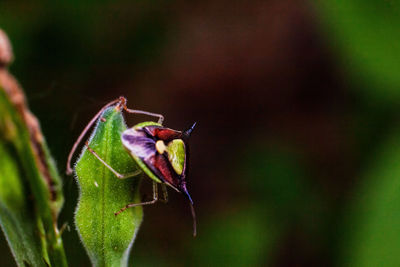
[(160, 152)]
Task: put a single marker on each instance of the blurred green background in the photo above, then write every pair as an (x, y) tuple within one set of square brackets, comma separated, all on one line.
[(296, 157)]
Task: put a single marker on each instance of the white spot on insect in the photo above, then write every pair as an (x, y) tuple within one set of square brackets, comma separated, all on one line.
[(160, 146), (96, 184)]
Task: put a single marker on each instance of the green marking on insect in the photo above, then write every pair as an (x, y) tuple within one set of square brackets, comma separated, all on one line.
[(176, 155), (160, 152)]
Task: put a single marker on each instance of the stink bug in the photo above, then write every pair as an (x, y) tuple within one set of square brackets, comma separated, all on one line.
[(160, 152)]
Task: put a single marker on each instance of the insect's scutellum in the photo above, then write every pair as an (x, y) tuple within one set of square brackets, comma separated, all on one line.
[(159, 152)]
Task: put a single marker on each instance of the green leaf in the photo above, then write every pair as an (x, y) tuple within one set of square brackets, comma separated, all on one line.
[(107, 238), (372, 232), (30, 193), (366, 35), (16, 217)]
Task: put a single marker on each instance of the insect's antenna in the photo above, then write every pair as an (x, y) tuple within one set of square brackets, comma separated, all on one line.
[(122, 101)]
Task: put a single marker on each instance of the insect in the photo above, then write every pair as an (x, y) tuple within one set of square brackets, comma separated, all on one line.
[(160, 152)]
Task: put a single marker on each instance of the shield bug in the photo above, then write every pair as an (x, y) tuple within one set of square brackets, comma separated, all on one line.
[(161, 153)]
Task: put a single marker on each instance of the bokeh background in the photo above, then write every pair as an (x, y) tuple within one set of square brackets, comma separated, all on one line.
[(296, 157)]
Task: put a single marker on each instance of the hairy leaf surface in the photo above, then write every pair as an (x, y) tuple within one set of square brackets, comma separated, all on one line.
[(107, 238)]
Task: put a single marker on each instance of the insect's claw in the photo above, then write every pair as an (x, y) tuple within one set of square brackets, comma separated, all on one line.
[(69, 171)]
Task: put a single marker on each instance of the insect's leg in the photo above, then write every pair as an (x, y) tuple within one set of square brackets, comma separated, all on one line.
[(121, 100), (120, 176), (135, 111), (64, 227), (165, 193), (155, 198)]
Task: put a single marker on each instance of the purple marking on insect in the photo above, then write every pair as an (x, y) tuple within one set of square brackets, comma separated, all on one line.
[(138, 143)]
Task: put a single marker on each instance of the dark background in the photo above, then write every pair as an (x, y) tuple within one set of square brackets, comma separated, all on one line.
[(296, 157)]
